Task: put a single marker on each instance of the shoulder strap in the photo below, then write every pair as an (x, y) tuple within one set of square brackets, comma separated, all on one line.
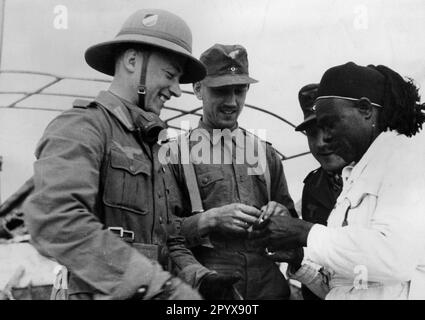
[(267, 175), (189, 175), (262, 144), (81, 103)]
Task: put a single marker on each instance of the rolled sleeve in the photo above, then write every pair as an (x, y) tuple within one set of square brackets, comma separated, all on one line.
[(310, 275)]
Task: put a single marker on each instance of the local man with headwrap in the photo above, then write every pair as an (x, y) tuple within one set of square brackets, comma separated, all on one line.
[(373, 246)]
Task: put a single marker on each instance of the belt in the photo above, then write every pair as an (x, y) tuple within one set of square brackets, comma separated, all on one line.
[(153, 252)]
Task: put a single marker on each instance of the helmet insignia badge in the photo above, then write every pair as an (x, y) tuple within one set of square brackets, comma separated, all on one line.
[(150, 20)]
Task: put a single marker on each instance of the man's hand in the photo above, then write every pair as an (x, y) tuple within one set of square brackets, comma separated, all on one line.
[(274, 209), (293, 257), (235, 218), (218, 287), (176, 289), (281, 233)]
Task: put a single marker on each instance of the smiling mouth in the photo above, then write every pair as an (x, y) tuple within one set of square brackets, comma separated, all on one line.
[(228, 111), (326, 154), (163, 98)]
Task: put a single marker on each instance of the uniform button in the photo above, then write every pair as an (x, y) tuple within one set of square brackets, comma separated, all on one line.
[(163, 169), (132, 168), (160, 220), (205, 180)]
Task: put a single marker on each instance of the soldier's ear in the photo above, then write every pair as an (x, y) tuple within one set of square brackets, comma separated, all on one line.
[(197, 86), (129, 60)]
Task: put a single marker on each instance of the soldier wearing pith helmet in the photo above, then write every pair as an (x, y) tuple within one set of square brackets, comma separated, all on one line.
[(100, 201)]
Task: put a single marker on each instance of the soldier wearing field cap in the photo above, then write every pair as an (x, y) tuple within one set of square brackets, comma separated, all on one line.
[(225, 198), (100, 205), (322, 186)]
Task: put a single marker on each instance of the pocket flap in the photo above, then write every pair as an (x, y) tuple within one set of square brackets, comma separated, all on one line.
[(207, 178), (132, 166), (361, 189)]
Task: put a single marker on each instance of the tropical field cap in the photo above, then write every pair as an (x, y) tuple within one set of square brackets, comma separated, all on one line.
[(306, 96), (152, 28), (226, 65)]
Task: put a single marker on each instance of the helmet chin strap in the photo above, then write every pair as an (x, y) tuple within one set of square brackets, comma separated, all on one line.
[(141, 89), (148, 124)]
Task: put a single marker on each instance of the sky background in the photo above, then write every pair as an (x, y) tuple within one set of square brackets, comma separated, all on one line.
[(289, 44)]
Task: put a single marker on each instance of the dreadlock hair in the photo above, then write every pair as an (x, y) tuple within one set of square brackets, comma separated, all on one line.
[(402, 111)]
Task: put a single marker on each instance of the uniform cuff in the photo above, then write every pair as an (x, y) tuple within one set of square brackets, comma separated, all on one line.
[(190, 230), (141, 272), (304, 274), (193, 274)]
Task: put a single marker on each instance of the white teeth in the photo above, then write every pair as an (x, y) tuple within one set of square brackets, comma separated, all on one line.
[(163, 98)]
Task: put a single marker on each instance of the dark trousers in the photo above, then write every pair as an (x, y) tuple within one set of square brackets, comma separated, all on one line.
[(261, 278)]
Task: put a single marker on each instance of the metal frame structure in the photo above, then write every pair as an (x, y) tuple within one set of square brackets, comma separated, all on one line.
[(55, 79)]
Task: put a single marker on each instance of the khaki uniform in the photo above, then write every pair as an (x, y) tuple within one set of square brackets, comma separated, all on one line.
[(222, 184)]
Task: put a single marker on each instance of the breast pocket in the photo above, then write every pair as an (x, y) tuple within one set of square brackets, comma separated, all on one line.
[(362, 198), (128, 184), (212, 186)]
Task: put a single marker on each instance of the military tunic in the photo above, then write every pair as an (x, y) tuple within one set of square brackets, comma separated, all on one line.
[(222, 184), (93, 171)]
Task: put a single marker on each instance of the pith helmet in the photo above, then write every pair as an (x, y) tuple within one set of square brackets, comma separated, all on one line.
[(155, 28)]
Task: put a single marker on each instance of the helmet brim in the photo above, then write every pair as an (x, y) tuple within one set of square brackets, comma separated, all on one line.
[(101, 57)]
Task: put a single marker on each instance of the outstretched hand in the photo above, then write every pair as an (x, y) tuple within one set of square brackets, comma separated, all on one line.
[(281, 233)]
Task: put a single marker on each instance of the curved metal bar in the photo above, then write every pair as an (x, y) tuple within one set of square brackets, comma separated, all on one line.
[(49, 94), (272, 114), (297, 155), (35, 92), (184, 113), (33, 108), (54, 75), (59, 78)]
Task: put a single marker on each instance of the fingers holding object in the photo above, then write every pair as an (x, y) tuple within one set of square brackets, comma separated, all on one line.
[(249, 210)]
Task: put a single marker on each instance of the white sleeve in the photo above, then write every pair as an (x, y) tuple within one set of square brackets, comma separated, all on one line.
[(392, 243), (313, 276)]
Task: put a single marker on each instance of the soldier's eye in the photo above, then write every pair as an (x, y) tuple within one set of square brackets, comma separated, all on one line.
[(170, 75)]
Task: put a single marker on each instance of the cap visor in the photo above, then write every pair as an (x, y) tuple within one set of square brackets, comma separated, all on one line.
[(306, 123), (227, 80)]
